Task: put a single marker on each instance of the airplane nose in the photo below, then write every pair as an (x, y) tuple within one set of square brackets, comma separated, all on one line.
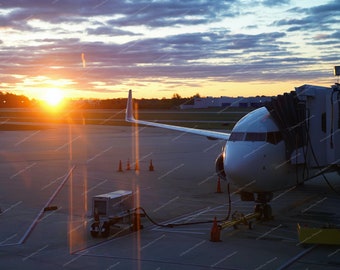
[(243, 163)]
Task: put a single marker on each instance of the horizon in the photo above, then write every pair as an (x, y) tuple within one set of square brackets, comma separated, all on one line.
[(76, 50), (141, 98)]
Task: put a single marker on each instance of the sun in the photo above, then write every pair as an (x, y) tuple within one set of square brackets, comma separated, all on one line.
[(53, 97)]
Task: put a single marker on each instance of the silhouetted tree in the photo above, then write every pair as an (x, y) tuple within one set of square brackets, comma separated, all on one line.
[(176, 96), (9, 100)]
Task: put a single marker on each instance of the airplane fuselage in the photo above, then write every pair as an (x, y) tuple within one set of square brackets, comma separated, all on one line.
[(254, 156)]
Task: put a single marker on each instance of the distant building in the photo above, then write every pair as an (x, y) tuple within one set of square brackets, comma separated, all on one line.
[(221, 102)]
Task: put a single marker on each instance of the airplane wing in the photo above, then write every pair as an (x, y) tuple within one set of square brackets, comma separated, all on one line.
[(207, 133)]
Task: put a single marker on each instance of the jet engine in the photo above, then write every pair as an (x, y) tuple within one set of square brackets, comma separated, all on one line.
[(219, 166)]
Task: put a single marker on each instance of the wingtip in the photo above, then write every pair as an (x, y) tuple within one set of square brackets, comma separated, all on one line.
[(129, 110)]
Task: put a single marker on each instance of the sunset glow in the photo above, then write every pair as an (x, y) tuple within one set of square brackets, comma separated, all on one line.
[(53, 97), (158, 48)]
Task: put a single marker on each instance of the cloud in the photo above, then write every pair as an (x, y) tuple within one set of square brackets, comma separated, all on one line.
[(272, 3), (318, 18), (167, 41)]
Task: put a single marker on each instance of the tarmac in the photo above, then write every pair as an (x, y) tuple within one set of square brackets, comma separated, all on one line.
[(64, 166)]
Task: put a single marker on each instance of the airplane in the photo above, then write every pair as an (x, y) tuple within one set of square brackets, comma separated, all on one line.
[(275, 147)]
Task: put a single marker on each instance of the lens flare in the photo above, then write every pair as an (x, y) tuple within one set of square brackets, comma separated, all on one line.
[(53, 97)]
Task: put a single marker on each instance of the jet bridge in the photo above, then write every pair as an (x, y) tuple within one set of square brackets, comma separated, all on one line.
[(289, 113), (309, 120)]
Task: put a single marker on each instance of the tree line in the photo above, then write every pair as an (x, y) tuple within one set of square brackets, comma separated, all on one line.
[(9, 100)]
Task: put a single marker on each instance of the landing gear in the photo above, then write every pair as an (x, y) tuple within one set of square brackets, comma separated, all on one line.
[(264, 210), (262, 207)]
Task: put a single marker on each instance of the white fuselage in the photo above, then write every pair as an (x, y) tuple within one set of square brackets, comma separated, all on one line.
[(254, 156)]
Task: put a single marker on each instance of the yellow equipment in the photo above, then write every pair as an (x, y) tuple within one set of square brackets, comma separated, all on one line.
[(239, 218), (236, 219), (310, 235)]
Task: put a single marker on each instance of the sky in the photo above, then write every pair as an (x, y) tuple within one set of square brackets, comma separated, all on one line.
[(101, 49)]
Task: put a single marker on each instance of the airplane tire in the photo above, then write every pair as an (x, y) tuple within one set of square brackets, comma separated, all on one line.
[(259, 209), (250, 225), (106, 229), (267, 212)]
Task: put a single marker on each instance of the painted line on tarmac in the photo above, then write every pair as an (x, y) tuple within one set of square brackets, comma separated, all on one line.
[(36, 220)]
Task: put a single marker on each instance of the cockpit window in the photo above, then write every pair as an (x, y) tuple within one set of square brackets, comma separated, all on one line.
[(270, 137), (274, 137), (255, 136), (237, 136)]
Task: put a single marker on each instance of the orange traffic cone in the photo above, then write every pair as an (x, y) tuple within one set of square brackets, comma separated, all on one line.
[(151, 168), (120, 169), (218, 186), (215, 232), (128, 165)]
